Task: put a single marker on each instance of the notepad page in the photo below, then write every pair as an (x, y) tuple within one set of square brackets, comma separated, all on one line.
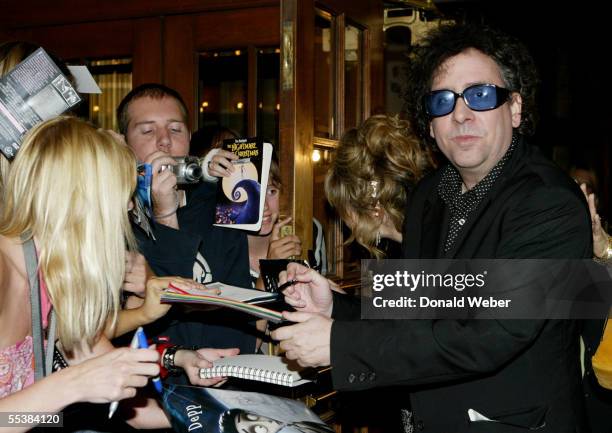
[(263, 368)]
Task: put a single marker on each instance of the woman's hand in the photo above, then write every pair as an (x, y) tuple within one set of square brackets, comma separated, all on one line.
[(137, 272), (283, 247), (221, 165), (114, 376), (193, 360), (600, 237), (153, 309)]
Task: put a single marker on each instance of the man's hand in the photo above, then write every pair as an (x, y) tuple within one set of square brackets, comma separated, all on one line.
[(308, 341), (163, 186), (285, 247), (312, 293)]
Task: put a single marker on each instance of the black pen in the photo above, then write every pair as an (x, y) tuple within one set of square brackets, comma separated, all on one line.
[(287, 284)]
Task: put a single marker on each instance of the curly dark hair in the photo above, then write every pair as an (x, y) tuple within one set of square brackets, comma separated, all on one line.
[(515, 63)]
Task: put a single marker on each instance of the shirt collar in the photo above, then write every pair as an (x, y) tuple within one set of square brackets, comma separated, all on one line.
[(449, 187)]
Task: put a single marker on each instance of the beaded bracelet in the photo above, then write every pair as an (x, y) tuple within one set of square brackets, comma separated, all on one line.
[(168, 360)]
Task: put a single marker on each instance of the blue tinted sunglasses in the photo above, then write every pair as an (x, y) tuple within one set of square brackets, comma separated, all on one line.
[(479, 97)]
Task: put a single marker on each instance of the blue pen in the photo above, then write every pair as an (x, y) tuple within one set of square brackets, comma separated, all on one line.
[(143, 344)]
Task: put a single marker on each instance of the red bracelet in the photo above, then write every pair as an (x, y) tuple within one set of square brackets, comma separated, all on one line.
[(161, 348)]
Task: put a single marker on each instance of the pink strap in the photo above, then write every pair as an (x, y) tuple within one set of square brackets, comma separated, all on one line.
[(45, 301)]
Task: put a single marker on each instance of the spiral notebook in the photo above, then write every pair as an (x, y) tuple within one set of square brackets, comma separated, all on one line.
[(263, 368)]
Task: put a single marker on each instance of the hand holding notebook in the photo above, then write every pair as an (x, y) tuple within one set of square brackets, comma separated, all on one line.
[(262, 368)]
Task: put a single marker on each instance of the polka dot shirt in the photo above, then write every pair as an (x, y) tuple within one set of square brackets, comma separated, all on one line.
[(461, 205)]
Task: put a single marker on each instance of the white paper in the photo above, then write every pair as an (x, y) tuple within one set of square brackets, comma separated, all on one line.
[(476, 416), (250, 296), (85, 82)]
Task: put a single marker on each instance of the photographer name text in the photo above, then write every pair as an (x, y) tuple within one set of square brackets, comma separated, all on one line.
[(455, 302)]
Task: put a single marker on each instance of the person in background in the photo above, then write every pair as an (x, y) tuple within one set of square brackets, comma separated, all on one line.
[(602, 241), (587, 176), (153, 120), (212, 137), (375, 167), (599, 399), (268, 243)]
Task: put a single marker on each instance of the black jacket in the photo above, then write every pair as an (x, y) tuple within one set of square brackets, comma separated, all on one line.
[(522, 373)]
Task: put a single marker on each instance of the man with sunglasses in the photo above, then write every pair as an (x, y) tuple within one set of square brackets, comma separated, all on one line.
[(471, 94)]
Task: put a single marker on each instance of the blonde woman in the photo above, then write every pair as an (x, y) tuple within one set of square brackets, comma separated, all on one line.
[(68, 190), (137, 270), (374, 168)]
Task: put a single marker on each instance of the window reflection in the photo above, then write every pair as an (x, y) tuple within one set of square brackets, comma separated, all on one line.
[(324, 98), (222, 90), (114, 77), (321, 158), (353, 76), (268, 106)]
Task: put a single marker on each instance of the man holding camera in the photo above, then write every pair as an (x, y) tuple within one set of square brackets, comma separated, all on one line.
[(154, 120)]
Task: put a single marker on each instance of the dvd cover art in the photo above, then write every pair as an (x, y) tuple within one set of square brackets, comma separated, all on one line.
[(241, 196), (195, 409)]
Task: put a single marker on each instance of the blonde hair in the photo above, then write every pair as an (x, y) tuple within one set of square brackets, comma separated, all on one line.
[(69, 188), (382, 150)]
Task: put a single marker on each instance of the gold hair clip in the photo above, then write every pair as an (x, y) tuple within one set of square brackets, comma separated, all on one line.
[(374, 188)]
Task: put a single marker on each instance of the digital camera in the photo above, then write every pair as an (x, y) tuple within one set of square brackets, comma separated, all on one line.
[(187, 170)]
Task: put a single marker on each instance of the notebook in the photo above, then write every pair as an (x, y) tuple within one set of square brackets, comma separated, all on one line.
[(263, 368), (237, 298)]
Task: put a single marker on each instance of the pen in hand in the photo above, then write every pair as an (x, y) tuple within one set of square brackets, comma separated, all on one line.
[(287, 284), (143, 344), (115, 404)]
